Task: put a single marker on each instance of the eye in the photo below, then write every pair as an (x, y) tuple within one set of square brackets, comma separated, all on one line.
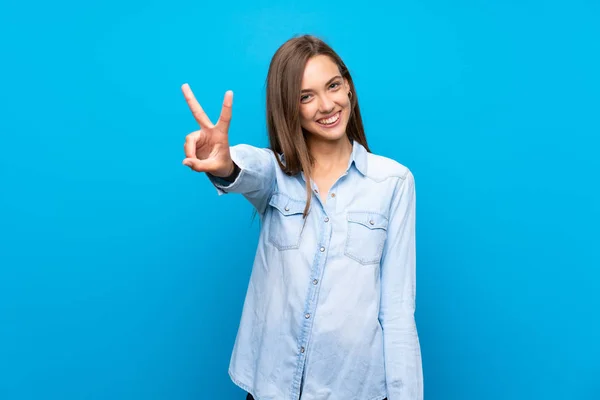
[(334, 85), (304, 98)]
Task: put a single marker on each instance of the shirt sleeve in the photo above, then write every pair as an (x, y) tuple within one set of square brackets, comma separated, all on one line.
[(403, 364), (256, 179)]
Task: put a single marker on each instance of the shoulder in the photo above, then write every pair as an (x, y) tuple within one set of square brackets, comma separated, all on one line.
[(381, 168)]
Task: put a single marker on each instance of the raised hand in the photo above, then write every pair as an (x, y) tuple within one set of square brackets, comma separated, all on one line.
[(207, 149)]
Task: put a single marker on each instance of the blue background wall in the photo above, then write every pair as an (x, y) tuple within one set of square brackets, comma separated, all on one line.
[(117, 279)]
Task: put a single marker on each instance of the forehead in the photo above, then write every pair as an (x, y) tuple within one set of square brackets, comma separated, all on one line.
[(318, 70)]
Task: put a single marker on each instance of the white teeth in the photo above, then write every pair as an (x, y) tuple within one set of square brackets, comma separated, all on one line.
[(329, 120)]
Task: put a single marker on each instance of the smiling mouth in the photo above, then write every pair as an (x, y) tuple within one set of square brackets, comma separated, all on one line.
[(331, 120)]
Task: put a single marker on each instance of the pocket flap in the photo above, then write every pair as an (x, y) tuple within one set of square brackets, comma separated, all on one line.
[(368, 219), (286, 205)]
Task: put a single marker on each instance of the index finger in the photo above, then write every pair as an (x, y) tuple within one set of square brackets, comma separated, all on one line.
[(197, 111)]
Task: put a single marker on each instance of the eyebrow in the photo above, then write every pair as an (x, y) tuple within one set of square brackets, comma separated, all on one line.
[(327, 84)]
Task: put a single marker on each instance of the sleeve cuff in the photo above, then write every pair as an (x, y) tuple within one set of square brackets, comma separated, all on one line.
[(223, 186)]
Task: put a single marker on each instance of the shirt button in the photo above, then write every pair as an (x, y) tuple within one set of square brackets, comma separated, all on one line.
[(307, 316), (326, 219), (372, 222), (315, 281), (301, 349), (287, 209), (332, 194), (322, 249)]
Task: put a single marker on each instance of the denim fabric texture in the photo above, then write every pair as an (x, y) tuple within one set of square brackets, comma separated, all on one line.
[(329, 310)]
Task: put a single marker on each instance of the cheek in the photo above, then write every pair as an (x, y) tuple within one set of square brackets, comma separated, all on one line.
[(347, 101), (342, 99), (306, 114), (346, 106)]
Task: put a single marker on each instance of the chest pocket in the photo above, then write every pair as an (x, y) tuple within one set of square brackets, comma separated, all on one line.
[(367, 232), (287, 223)]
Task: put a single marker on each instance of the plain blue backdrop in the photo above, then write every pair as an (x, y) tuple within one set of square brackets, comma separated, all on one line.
[(123, 274)]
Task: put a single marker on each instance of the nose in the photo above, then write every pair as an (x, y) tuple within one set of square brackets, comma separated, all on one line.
[(327, 105)]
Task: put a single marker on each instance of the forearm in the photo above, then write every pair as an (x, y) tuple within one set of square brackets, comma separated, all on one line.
[(253, 176), (403, 365)]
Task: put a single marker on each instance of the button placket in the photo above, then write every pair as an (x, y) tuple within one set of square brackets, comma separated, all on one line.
[(309, 320)]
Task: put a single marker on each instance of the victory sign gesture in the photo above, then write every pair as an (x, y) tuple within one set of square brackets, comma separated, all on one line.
[(207, 149)]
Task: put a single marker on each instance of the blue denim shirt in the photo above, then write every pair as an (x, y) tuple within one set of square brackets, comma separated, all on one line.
[(329, 311)]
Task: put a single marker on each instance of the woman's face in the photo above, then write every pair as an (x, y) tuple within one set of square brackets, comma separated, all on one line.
[(324, 101)]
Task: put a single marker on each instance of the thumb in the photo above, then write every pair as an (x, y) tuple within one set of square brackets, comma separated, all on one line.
[(195, 164)]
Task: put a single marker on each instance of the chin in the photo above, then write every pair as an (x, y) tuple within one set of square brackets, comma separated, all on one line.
[(329, 135)]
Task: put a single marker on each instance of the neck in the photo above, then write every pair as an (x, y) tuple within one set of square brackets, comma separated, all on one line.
[(330, 155)]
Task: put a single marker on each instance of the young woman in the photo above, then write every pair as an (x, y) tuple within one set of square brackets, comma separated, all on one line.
[(329, 311)]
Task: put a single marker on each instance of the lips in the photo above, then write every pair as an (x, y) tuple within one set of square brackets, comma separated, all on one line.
[(330, 120)]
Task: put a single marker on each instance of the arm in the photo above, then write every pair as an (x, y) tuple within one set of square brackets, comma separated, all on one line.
[(403, 367), (253, 176)]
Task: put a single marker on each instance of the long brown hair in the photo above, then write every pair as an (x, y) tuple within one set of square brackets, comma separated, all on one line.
[(284, 80)]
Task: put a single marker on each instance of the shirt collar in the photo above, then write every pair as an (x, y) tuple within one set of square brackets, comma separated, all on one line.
[(358, 157)]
